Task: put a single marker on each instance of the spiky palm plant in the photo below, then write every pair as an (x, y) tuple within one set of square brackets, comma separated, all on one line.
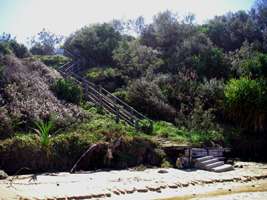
[(43, 129)]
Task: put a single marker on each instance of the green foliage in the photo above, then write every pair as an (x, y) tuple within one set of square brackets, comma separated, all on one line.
[(68, 90), (12, 46), (184, 136), (166, 164), (135, 60), (4, 48), (231, 30), (94, 43), (43, 129), (95, 73), (211, 93), (54, 61), (1, 72), (256, 66), (19, 50), (145, 126), (108, 77), (198, 119), (147, 97), (245, 101), (121, 94), (212, 64)]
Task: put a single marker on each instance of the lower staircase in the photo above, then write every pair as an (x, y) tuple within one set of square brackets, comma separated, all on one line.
[(211, 163)]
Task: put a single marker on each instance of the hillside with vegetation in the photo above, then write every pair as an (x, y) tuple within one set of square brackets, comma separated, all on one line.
[(202, 85)]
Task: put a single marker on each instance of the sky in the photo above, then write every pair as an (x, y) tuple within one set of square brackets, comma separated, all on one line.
[(25, 18)]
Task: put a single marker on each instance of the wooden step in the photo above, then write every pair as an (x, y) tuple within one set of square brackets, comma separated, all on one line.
[(204, 158), (207, 162), (223, 168), (213, 165)]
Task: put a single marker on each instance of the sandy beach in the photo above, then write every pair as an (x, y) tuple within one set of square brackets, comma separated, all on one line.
[(246, 181)]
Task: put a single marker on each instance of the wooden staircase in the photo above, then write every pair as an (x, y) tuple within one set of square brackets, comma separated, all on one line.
[(99, 96)]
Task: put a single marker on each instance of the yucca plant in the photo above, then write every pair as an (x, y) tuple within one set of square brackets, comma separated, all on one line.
[(43, 129)]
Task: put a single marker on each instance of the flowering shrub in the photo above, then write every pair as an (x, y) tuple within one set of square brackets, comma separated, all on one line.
[(28, 98)]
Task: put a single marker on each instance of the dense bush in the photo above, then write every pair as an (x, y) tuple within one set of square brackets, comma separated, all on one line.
[(245, 101), (94, 43), (12, 46), (68, 90), (135, 60), (4, 48), (19, 50), (147, 98), (183, 136), (198, 119), (211, 93), (256, 66)]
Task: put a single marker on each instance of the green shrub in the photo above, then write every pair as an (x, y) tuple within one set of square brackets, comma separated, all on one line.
[(108, 77), (1, 72), (246, 102), (121, 93), (54, 61), (256, 66), (146, 126), (68, 90), (147, 98), (12, 46), (4, 48), (184, 136), (19, 50)]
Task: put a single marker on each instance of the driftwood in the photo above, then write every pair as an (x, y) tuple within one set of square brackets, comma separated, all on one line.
[(111, 148), (89, 150)]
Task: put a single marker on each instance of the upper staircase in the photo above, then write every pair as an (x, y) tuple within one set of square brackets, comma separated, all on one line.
[(101, 97)]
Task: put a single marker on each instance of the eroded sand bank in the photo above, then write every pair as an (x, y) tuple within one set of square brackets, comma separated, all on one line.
[(130, 184)]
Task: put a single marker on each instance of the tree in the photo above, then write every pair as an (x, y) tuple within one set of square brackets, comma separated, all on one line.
[(259, 14), (166, 34), (246, 103), (45, 43), (135, 60), (147, 97), (9, 44), (94, 43), (230, 31)]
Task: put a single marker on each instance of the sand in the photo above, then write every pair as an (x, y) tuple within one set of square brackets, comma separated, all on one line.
[(132, 184)]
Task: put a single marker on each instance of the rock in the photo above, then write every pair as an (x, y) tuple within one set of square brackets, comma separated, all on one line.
[(163, 171), (173, 186), (3, 175)]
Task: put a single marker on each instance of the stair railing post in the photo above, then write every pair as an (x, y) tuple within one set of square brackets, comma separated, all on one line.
[(132, 115), (85, 87), (100, 97), (117, 117), (136, 124)]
